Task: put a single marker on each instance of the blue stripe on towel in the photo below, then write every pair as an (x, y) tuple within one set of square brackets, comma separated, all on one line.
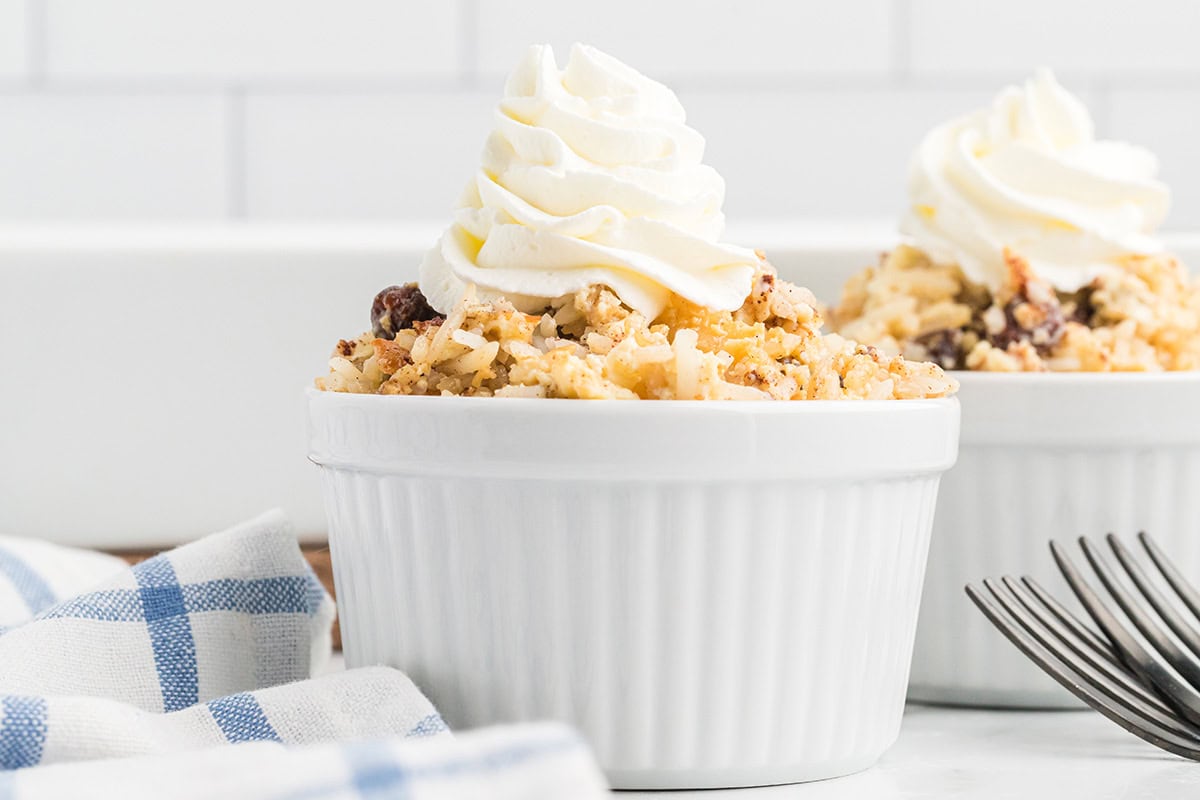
[(32, 588), (281, 595), (427, 727), (170, 633), (114, 605), (375, 773), (242, 719), (22, 731)]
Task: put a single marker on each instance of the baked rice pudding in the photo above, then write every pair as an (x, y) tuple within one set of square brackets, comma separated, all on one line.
[(1030, 249), (585, 262), (589, 345)]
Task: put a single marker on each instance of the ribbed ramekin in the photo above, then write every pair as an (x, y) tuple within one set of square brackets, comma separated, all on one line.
[(716, 594), (1049, 456)]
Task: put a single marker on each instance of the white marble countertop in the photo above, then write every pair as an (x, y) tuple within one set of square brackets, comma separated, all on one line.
[(989, 755)]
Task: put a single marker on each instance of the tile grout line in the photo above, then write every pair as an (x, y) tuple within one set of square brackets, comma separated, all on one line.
[(134, 85), (36, 41), (696, 82), (235, 156)]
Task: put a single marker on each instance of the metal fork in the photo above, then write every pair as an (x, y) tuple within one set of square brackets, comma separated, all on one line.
[(1140, 665)]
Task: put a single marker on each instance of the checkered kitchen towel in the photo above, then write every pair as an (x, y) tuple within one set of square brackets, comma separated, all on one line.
[(214, 643), (526, 762)]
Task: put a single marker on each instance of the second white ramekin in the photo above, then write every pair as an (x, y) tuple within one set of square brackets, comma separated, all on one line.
[(716, 594), (1049, 456)]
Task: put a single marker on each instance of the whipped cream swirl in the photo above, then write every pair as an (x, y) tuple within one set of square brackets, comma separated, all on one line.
[(1029, 176), (591, 176)]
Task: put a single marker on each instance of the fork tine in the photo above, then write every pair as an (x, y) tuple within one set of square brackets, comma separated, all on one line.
[(1100, 661), (1185, 590), (1099, 643), (1140, 661), (1183, 661), (1115, 689), (1187, 632), (1154, 713), (1156, 735)]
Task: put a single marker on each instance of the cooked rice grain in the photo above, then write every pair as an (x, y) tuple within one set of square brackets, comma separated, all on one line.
[(1144, 316), (589, 345)]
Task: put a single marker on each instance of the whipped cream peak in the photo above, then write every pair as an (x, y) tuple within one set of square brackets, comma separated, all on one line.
[(1028, 176), (590, 176)]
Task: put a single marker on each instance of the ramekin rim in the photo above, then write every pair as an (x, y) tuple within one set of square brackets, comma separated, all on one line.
[(1061, 378), (647, 406)]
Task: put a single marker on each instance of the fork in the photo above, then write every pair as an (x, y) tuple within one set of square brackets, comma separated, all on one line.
[(1139, 666)]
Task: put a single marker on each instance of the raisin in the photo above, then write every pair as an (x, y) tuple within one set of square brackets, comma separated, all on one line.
[(1044, 335), (397, 308), (1032, 312), (943, 347), (1079, 307)]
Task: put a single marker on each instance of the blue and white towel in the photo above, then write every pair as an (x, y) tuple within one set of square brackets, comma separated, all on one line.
[(546, 762), (215, 643)]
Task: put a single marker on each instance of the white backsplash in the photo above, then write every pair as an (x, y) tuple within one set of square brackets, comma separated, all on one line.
[(376, 109)]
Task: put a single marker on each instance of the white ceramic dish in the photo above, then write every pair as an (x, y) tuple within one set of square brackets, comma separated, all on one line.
[(717, 594), (1049, 456)]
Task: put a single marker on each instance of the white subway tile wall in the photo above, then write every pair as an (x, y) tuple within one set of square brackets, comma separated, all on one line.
[(361, 156), (679, 39), (1103, 38), (250, 40), (113, 156), (377, 109), (14, 38)]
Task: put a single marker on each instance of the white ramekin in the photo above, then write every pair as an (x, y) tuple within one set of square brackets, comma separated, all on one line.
[(716, 594), (1049, 456)]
